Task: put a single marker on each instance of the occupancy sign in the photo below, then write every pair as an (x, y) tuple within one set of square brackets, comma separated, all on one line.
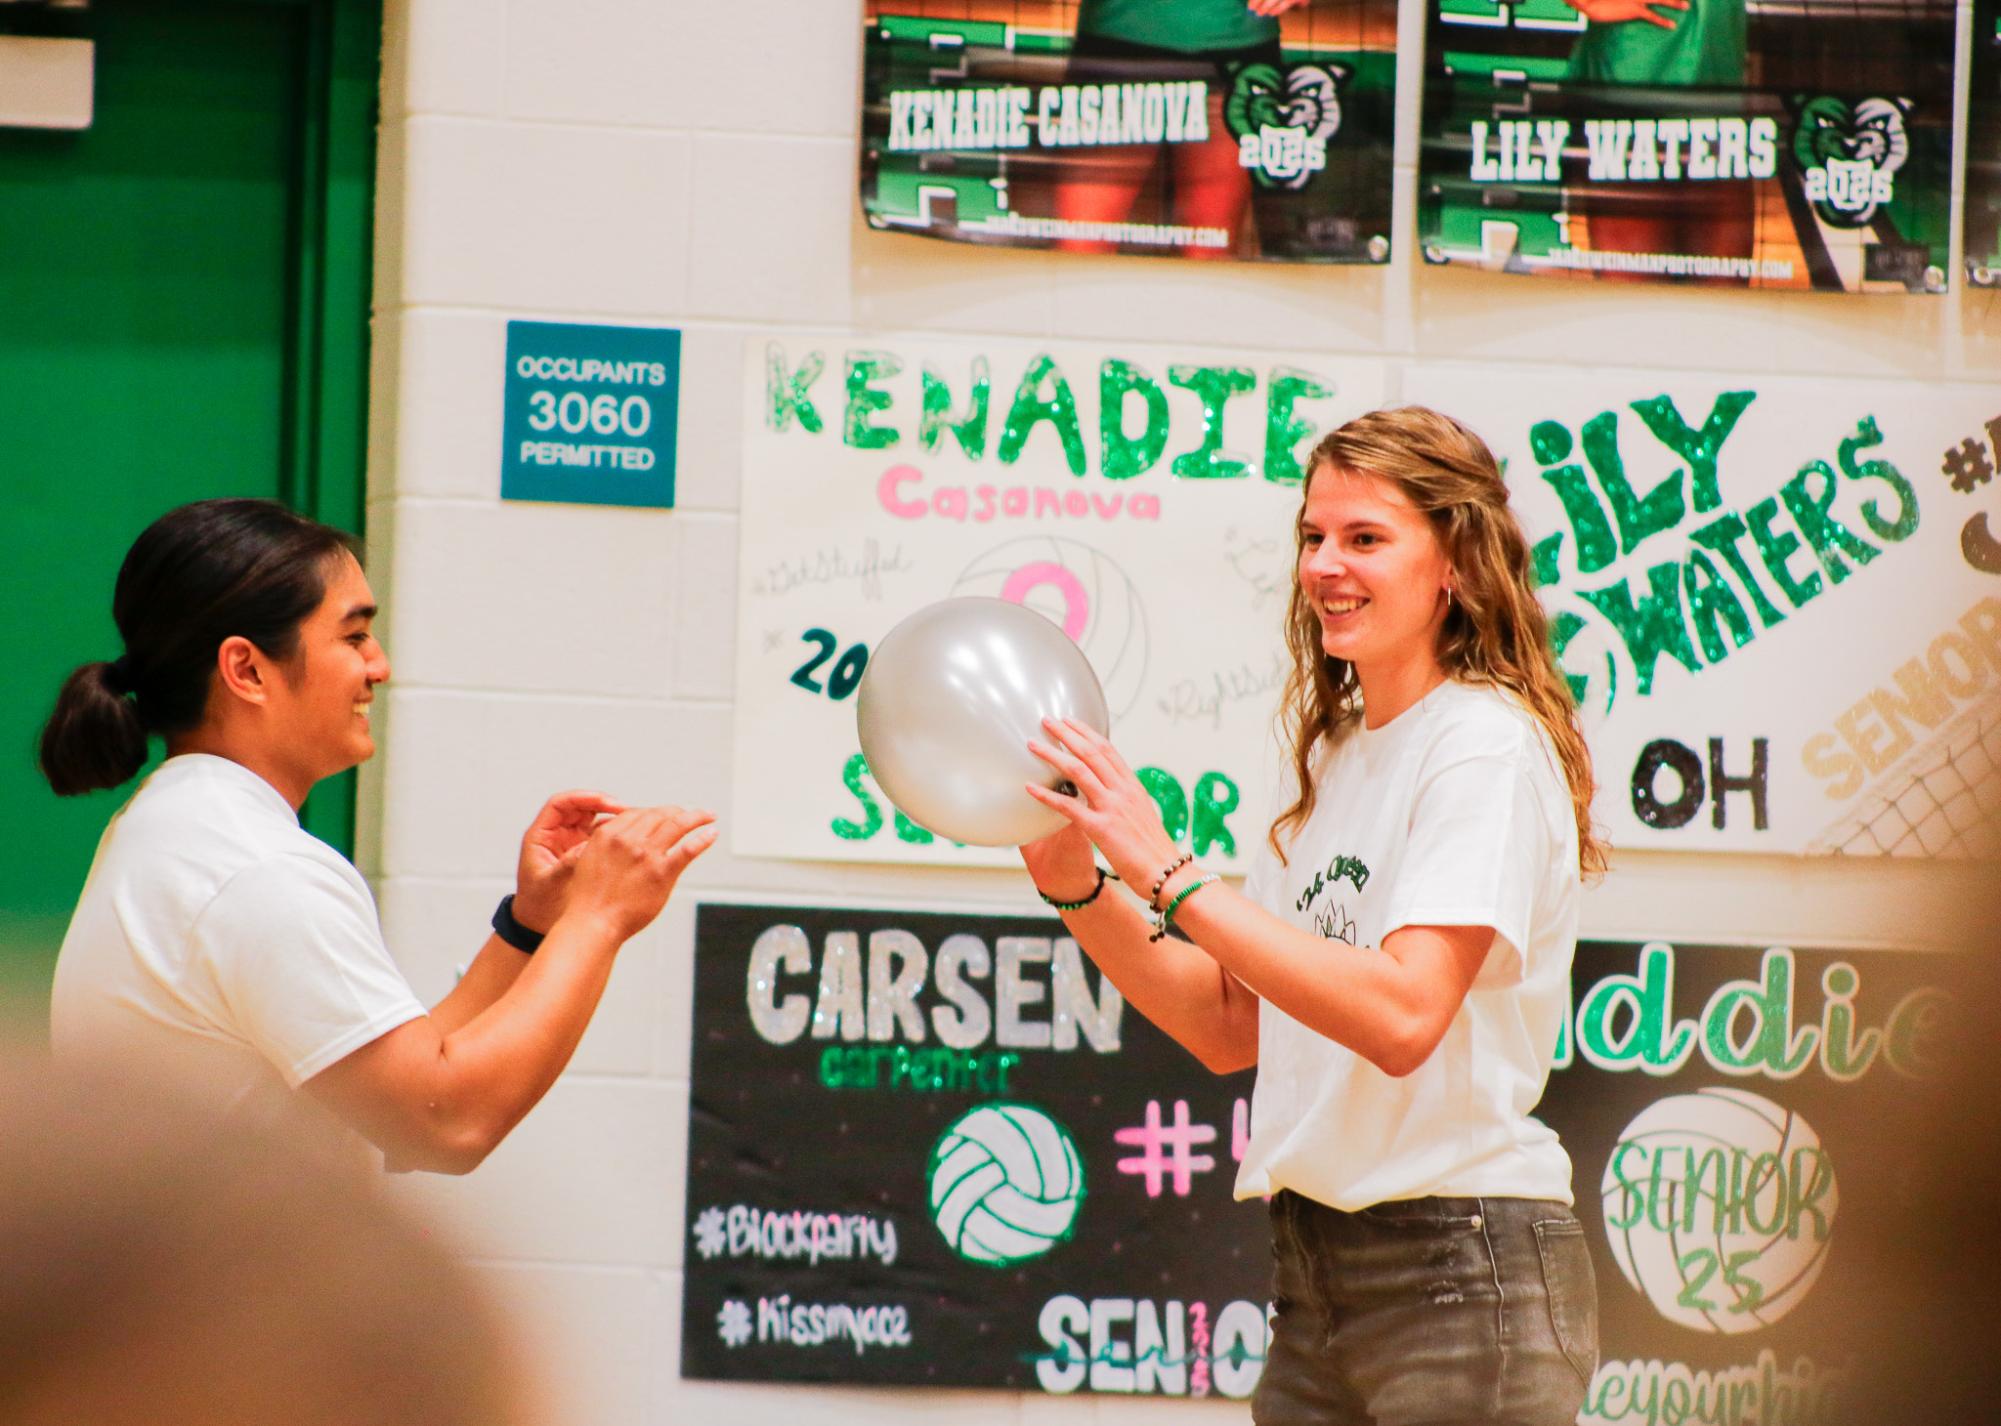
[(1802, 145), (936, 1149), (589, 414)]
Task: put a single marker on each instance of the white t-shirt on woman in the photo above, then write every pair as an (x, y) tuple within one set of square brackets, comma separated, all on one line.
[(222, 943), (1454, 813)]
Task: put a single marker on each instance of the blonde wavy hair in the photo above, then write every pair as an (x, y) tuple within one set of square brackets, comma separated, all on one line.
[(1494, 632)]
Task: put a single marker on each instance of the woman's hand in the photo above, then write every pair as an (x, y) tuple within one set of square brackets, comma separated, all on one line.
[(1062, 864), (1111, 808)]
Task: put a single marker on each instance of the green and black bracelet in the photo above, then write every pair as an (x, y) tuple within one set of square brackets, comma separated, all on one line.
[(1103, 875), (1167, 916)]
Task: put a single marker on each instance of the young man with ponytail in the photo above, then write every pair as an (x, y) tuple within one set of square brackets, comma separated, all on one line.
[(221, 943), (1398, 963)]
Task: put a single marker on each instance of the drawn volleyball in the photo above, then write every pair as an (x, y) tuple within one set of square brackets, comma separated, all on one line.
[(1006, 1184), (1719, 1207), (1084, 592)]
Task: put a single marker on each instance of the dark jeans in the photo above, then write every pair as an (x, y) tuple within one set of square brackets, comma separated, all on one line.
[(1432, 1310)]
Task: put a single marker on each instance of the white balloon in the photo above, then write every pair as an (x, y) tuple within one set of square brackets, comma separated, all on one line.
[(946, 708)]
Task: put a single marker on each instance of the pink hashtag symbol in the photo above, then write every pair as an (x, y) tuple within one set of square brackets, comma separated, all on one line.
[(1178, 1138)]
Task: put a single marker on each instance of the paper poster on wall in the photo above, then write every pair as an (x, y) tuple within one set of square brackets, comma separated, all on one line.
[(1196, 129), (937, 1149), (1778, 601), (1983, 148), (1741, 143), (1141, 498)]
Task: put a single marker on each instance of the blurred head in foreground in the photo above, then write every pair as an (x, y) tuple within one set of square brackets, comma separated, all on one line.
[(164, 1268)]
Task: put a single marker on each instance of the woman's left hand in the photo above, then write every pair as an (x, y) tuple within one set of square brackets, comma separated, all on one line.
[(1111, 807)]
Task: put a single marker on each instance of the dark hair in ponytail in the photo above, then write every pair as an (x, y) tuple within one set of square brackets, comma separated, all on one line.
[(198, 575)]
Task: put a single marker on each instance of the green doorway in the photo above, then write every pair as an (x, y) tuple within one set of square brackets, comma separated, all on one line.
[(183, 313)]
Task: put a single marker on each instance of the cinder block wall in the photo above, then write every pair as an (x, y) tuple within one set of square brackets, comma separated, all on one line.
[(693, 165)]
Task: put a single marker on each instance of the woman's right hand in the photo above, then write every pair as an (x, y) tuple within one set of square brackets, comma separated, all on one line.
[(628, 868), (1063, 864)]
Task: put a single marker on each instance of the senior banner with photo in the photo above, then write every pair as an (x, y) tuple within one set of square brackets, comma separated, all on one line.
[(1196, 129), (1142, 499), (1755, 143), (1983, 148), (937, 1149), (1777, 600)]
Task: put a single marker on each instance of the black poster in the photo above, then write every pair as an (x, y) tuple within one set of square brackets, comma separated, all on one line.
[(1197, 129), (1737, 143), (1983, 148), (937, 1149)]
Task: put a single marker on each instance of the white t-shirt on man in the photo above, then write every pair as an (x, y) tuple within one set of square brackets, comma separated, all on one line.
[(221, 942), (1454, 813)]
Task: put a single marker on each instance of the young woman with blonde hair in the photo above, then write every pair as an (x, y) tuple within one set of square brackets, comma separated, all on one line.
[(1397, 965)]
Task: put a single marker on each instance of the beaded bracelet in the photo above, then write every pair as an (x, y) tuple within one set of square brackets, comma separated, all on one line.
[(1079, 905), (1167, 916), (1153, 897)]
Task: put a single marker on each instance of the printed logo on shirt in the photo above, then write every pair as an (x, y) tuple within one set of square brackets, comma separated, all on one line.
[(1331, 919), (1334, 924)]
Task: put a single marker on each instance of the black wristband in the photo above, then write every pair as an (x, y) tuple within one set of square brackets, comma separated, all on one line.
[(511, 930)]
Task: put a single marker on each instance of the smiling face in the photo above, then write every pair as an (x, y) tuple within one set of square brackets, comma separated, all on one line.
[(320, 704), (1374, 574)]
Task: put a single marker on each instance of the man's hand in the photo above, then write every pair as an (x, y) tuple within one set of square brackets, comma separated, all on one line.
[(549, 851), (628, 868), (1613, 12)]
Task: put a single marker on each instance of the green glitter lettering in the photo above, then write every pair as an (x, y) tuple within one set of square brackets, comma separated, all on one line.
[(1772, 1043), (852, 774), (1844, 1054), (1215, 385), (909, 831), (1698, 448), (1709, 598), (1168, 797), (1640, 516), (790, 396), (1595, 546), (1910, 1039), (1776, 549), (1283, 430), (1126, 456), (1829, 538), (1905, 525), (1547, 571), (1215, 798), (1550, 442), (1030, 405), (1563, 627), (969, 430), (1720, 536), (1654, 626), (1643, 1005), (864, 400)]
